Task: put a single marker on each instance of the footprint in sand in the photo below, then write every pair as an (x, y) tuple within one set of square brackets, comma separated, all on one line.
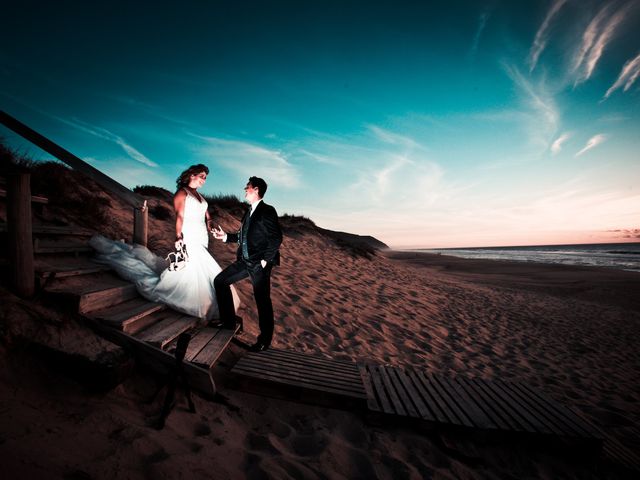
[(201, 430), (308, 445), (158, 456), (261, 443)]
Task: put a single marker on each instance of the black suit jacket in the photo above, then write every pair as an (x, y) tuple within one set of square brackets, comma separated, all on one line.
[(264, 236)]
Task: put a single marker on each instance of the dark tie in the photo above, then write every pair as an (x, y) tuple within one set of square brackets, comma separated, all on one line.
[(245, 230)]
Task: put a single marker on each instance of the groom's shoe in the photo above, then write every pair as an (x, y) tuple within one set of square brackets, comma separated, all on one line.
[(258, 347)]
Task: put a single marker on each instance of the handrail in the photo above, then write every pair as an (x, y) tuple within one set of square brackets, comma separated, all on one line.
[(70, 159)]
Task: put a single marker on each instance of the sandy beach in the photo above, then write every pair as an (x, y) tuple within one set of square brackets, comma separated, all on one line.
[(571, 332)]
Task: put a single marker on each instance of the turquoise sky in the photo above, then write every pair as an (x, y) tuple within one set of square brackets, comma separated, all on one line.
[(425, 124)]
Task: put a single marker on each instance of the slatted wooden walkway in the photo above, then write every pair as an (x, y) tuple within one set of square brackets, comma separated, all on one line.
[(473, 403), (304, 377), (481, 405)]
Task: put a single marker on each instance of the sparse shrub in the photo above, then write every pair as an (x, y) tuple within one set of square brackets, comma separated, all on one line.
[(161, 212), (225, 201), (152, 191), (71, 191), (12, 161)]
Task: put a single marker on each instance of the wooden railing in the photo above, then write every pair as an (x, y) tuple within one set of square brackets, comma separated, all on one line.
[(20, 195)]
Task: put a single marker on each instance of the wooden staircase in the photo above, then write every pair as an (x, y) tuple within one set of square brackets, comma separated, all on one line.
[(67, 277)]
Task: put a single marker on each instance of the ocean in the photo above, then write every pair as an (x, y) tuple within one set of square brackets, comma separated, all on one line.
[(624, 256)]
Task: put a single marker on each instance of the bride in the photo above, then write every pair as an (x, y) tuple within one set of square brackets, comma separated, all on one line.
[(189, 290)]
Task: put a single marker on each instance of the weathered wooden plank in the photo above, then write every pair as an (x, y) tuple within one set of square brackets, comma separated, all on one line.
[(620, 454), (422, 409), (166, 330), (292, 379), (307, 358), (310, 370), (437, 397), (391, 391), (19, 223), (372, 402), (99, 299), (61, 248), (48, 274), (126, 312), (351, 371), (403, 394), (212, 350), (283, 379), (536, 409), (567, 427), (487, 406), (381, 392), (198, 342), (311, 356), (299, 374), (497, 405), (433, 403), (576, 423), (70, 231), (449, 395), (470, 407), (520, 414)]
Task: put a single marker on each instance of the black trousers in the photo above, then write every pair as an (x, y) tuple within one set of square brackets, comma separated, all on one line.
[(261, 281)]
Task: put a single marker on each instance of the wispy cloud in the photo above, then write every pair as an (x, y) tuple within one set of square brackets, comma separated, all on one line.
[(105, 134), (541, 38), (249, 159), (628, 75), (393, 138), (544, 118), (598, 34), (592, 143), (318, 157), (482, 23), (556, 146)]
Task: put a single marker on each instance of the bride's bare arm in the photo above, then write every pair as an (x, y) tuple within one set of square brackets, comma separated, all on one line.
[(178, 205)]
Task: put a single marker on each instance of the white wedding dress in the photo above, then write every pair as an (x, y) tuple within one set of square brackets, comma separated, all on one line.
[(189, 290)]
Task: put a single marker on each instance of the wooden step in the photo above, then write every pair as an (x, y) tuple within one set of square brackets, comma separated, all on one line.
[(50, 274), (78, 292), (131, 316), (64, 248), (158, 360), (70, 230), (212, 350), (99, 299), (163, 332)]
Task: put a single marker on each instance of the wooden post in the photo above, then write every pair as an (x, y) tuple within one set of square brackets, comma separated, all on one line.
[(141, 224), (20, 233)]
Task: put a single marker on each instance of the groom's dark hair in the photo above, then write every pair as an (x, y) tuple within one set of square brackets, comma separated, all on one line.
[(260, 184)]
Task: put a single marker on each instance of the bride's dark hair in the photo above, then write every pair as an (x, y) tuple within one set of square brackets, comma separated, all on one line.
[(185, 177)]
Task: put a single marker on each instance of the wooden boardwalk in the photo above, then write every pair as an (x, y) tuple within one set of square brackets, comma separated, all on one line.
[(302, 377), (510, 408), (472, 403)]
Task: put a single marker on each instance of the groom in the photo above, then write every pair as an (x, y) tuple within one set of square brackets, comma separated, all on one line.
[(258, 239)]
